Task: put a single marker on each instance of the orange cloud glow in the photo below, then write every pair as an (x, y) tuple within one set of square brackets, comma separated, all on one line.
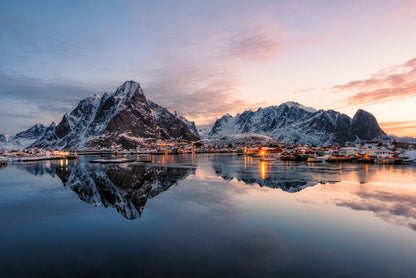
[(391, 84), (400, 128)]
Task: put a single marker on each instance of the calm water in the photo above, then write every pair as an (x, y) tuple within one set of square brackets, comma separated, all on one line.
[(207, 216)]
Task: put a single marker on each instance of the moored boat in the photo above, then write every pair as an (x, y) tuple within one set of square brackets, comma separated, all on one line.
[(267, 158)]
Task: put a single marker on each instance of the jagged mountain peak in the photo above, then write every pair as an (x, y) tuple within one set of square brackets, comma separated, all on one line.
[(300, 106), (37, 126), (362, 113), (33, 132), (128, 89)]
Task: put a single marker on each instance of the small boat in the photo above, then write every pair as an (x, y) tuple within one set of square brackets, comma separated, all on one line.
[(366, 160), (407, 161), (388, 160), (314, 160), (294, 156), (112, 161), (267, 158), (72, 156), (287, 156)]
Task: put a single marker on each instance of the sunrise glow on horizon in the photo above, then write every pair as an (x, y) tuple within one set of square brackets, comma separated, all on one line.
[(204, 59)]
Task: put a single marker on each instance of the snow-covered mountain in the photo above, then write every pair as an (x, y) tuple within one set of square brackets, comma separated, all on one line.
[(25, 138), (123, 119), (204, 132), (292, 122)]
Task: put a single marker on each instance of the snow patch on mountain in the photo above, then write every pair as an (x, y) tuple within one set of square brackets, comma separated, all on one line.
[(4, 138), (300, 106), (204, 133)]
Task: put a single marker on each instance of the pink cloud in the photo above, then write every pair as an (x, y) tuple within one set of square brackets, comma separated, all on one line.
[(258, 44), (391, 84), (407, 12)]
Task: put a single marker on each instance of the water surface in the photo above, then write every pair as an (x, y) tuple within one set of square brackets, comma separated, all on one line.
[(207, 215)]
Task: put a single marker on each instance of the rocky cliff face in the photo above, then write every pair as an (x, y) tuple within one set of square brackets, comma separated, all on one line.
[(174, 126), (191, 125), (294, 123), (364, 125), (123, 119)]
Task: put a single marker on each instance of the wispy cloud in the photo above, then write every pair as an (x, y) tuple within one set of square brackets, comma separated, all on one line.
[(391, 84), (257, 44), (202, 96), (207, 83)]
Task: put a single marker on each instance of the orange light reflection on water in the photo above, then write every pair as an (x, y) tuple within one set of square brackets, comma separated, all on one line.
[(263, 170)]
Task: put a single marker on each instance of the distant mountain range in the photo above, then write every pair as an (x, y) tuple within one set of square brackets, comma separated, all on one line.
[(126, 119), (294, 123)]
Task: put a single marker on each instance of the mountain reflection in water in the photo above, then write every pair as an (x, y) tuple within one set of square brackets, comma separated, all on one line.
[(272, 174), (127, 187), (123, 187), (228, 216)]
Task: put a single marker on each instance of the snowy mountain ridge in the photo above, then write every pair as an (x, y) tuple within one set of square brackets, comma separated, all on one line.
[(126, 119), (123, 119), (294, 123)]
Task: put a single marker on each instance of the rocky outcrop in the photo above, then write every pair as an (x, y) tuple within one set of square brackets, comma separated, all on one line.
[(364, 125)]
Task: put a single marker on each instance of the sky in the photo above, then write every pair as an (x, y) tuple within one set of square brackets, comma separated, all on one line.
[(204, 59)]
